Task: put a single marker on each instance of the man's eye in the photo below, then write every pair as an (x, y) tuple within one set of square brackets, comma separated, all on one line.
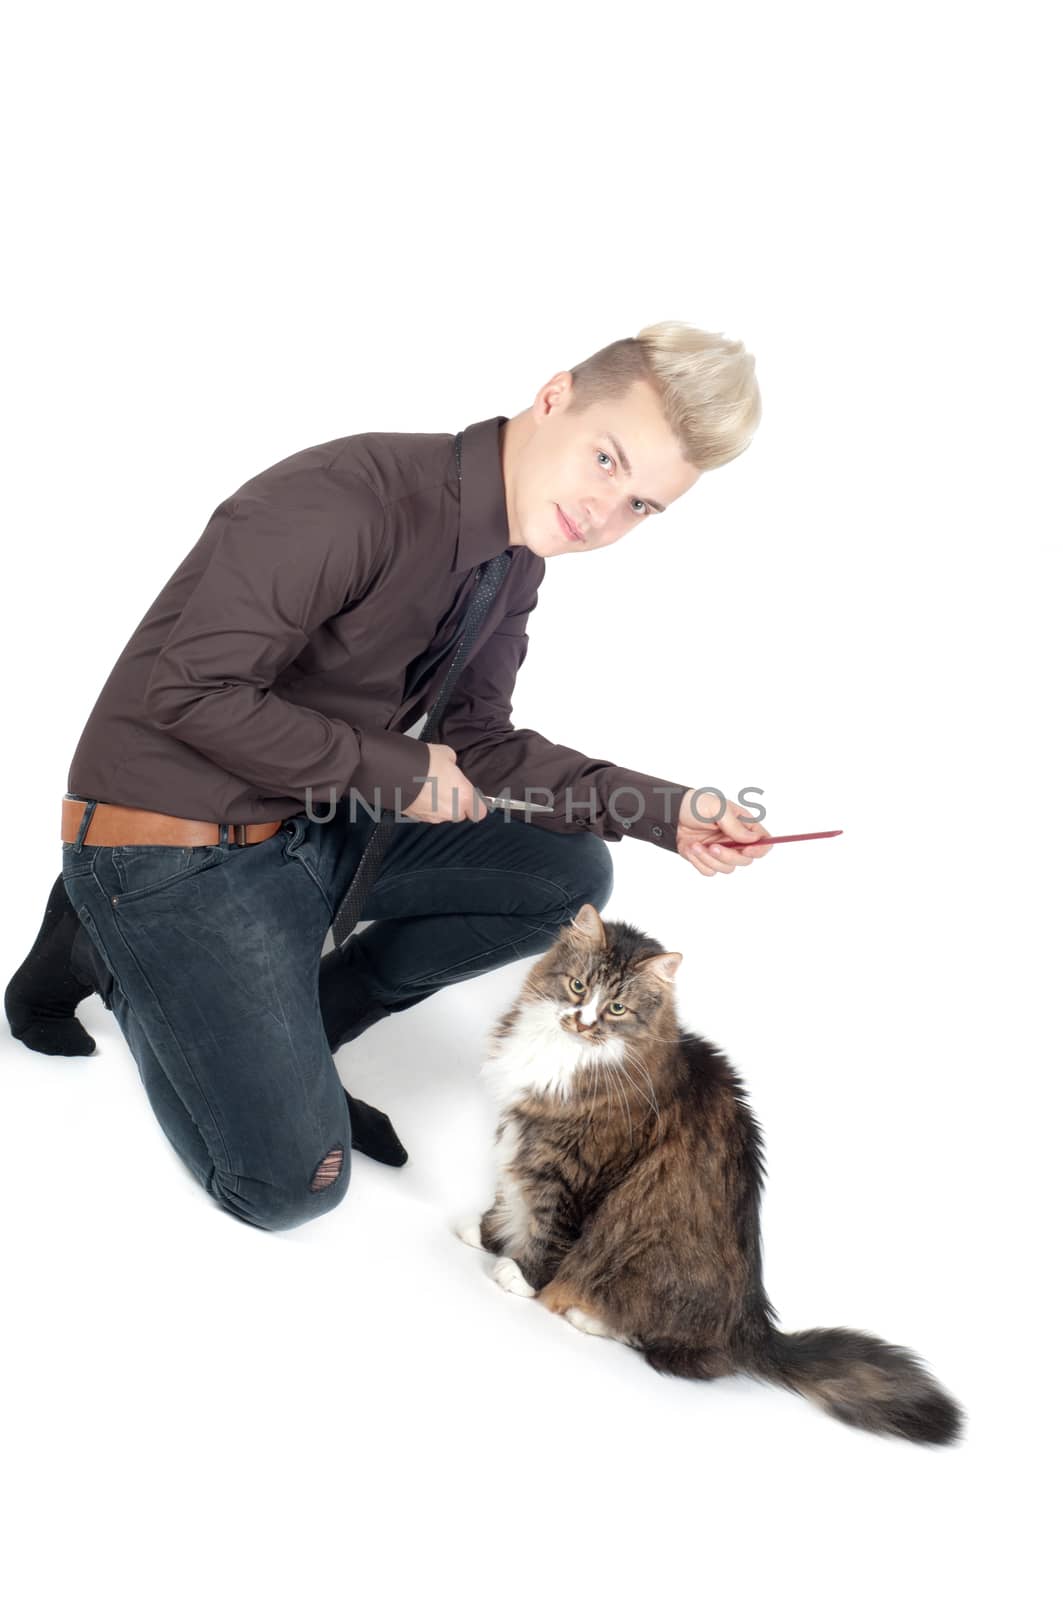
[(604, 454)]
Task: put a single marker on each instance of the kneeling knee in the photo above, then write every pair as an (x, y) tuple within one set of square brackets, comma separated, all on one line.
[(328, 1171), (277, 1206)]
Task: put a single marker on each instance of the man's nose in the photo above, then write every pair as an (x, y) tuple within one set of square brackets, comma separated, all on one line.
[(602, 524)]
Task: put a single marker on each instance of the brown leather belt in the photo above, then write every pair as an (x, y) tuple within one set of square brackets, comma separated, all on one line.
[(116, 825)]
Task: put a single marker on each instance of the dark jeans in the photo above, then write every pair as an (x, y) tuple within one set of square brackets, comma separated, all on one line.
[(212, 958)]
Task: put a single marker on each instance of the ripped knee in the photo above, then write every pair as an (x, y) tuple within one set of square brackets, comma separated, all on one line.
[(328, 1170)]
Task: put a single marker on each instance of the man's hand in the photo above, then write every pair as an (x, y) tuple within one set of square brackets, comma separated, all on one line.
[(447, 795), (704, 844)]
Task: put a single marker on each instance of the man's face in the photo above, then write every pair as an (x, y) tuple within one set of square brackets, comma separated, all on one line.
[(575, 464)]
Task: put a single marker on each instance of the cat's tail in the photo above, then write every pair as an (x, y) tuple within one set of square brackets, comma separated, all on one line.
[(860, 1379), (854, 1376)]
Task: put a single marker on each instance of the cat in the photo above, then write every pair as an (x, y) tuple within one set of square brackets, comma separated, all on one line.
[(630, 1169)]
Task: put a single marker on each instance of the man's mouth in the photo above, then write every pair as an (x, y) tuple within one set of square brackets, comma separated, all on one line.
[(568, 529)]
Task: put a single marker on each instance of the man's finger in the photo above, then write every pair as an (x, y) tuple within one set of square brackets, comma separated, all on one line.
[(721, 852), (742, 832), (751, 852), (694, 856)]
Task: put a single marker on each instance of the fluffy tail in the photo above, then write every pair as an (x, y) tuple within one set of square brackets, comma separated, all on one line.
[(854, 1376)]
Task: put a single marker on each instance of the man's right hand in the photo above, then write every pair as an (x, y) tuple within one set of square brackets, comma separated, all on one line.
[(447, 795), (707, 844)]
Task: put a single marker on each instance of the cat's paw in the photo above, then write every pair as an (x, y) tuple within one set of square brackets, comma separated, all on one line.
[(587, 1324), (467, 1229), (508, 1276)]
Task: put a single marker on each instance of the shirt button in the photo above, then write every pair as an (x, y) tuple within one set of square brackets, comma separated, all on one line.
[(656, 833)]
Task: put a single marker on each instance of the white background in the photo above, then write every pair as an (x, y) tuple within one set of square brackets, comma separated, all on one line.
[(238, 230)]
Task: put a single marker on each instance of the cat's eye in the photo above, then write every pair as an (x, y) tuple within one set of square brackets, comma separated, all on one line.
[(616, 1009), (577, 985)]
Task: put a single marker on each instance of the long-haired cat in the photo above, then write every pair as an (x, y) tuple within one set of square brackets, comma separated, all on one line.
[(629, 1181)]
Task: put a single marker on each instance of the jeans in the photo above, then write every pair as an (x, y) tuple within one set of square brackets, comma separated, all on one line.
[(210, 959)]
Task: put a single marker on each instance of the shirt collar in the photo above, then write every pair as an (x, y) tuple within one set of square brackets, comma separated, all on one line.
[(483, 527)]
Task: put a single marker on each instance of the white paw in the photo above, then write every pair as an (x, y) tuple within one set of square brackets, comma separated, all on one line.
[(508, 1276), (468, 1231), (588, 1324)]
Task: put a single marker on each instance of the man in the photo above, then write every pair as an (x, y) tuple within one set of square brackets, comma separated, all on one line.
[(226, 783)]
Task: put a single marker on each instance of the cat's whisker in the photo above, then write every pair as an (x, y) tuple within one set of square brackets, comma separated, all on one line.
[(608, 1090), (661, 1038), (621, 1092), (593, 1097), (624, 1080), (649, 1101), (607, 1078), (641, 1067), (634, 1054)]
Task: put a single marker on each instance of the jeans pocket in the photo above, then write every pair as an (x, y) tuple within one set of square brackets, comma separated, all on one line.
[(142, 870), (78, 863), (297, 847), (295, 828)]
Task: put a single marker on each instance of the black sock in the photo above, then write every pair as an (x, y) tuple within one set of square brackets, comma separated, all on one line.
[(42, 996), (373, 1135)]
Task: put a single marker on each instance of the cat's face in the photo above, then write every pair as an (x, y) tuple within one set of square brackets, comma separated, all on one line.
[(607, 980), (599, 998)]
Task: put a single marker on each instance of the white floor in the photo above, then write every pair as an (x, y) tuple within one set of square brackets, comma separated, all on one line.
[(243, 232), (356, 1404)]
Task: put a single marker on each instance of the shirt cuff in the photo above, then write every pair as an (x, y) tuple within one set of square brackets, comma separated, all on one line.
[(391, 774), (638, 806), (643, 807)]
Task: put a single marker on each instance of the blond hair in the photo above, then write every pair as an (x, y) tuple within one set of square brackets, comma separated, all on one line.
[(704, 382)]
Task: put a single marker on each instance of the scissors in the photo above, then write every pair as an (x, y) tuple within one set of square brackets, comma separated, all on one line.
[(516, 805)]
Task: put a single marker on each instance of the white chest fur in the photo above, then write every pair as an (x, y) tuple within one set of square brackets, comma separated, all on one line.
[(538, 1056)]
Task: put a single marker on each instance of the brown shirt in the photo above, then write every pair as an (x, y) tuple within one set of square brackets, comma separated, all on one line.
[(309, 626)]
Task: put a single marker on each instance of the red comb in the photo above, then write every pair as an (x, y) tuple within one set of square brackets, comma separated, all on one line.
[(778, 838)]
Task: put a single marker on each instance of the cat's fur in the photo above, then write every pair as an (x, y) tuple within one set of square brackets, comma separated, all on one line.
[(628, 1198)]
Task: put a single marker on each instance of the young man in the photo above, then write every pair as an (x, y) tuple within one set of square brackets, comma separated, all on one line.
[(226, 783)]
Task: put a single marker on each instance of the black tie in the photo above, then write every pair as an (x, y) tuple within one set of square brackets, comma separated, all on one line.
[(488, 578)]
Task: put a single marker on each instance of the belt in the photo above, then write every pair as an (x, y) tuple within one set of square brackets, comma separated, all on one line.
[(117, 825)]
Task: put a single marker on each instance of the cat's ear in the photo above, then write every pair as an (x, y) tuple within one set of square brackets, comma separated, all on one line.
[(663, 967), (587, 925)]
